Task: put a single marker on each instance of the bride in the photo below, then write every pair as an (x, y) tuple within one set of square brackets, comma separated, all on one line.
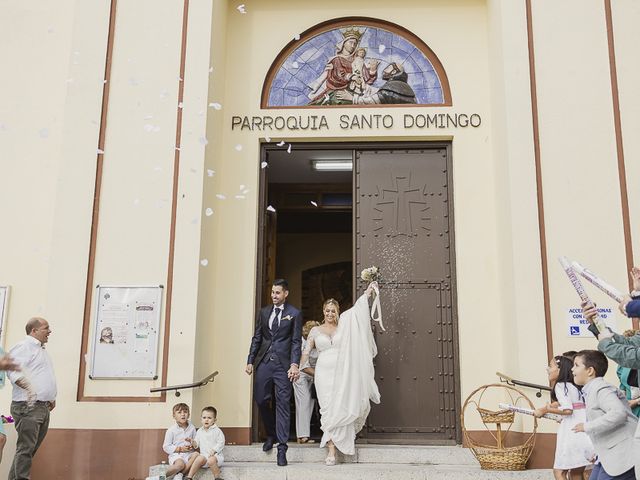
[(344, 374)]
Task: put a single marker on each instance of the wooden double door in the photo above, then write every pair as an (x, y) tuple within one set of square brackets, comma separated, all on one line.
[(402, 223)]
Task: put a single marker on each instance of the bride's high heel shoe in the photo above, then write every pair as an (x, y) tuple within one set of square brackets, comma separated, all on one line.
[(330, 461)]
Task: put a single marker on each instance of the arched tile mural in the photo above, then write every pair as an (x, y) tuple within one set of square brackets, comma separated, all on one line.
[(356, 62)]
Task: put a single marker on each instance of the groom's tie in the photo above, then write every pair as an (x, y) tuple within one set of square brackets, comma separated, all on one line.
[(276, 319)]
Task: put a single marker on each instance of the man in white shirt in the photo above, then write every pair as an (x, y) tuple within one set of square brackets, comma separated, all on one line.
[(34, 395)]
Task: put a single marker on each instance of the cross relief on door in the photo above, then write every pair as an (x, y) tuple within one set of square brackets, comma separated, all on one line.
[(401, 207)]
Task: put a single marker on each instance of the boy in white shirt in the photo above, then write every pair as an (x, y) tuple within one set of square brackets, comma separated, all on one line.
[(177, 442), (210, 441)]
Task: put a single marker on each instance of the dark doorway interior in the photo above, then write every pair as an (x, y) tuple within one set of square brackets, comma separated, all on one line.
[(309, 232)]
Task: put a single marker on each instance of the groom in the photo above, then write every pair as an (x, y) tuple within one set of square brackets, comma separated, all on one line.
[(275, 352)]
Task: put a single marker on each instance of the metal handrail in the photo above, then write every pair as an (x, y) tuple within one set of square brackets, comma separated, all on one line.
[(511, 381), (177, 388)]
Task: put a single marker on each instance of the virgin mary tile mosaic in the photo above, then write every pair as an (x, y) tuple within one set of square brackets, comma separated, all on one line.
[(364, 63)]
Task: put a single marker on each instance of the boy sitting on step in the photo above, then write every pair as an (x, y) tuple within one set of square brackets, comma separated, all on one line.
[(177, 442), (210, 441)]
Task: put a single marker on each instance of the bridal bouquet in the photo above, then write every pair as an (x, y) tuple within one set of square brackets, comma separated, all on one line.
[(371, 274)]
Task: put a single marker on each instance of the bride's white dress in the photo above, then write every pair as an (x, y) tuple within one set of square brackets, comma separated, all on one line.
[(344, 376)]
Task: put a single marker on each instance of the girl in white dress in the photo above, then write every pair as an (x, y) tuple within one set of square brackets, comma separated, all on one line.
[(344, 374), (574, 450)]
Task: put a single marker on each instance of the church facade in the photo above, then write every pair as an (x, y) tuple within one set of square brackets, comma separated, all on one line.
[(205, 148)]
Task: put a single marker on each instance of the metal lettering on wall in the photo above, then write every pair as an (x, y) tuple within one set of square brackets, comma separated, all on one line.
[(402, 226)]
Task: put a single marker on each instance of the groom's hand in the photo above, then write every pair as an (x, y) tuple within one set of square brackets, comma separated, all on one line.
[(249, 369), (293, 372)]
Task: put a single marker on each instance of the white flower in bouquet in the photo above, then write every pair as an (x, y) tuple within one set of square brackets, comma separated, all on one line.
[(371, 274)]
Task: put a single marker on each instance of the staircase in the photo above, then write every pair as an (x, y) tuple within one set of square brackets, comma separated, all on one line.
[(379, 462)]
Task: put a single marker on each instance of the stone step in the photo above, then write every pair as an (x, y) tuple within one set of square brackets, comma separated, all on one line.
[(387, 454), (367, 471)]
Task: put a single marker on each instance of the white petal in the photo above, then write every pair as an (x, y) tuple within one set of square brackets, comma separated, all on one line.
[(297, 37), (180, 105), (267, 139), (204, 262), (381, 48), (295, 65), (100, 152), (281, 144), (210, 69), (210, 173), (271, 209), (314, 203), (208, 212), (215, 105), (264, 165), (221, 196), (238, 147), (289, 149), (242, 187), (203, 140), (241, 8), (245, 191)]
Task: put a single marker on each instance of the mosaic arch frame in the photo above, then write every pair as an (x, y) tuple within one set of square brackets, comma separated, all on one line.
[(287, 84)]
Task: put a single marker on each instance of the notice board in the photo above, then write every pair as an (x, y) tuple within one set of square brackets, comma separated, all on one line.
[(126, 332)]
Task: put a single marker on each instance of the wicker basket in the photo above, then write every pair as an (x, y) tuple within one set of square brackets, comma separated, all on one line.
[(501, 416), (498, 456), (505, 458)]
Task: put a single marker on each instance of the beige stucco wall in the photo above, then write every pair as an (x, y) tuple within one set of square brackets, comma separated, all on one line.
[(48, 139)]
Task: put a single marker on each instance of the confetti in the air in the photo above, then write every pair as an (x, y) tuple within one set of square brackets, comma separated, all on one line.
[(242, 187), (297, 37), (180, 105), (210, 69), (267, 139), (208, 212), (271, 209), (210, 173), (381, 48), (281, 143), (204, 262), (295, 65), (215, 105), (238, 147), (264, 165), (100, 152), (220, 196), (289, 149), (241, 8), (314, 203), (203, 140)]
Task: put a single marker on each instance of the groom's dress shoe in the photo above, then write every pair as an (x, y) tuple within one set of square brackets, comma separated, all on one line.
[(268, 445), (282, 458)]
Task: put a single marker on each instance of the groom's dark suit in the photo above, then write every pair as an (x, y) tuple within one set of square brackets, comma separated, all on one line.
[(272, 352)]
